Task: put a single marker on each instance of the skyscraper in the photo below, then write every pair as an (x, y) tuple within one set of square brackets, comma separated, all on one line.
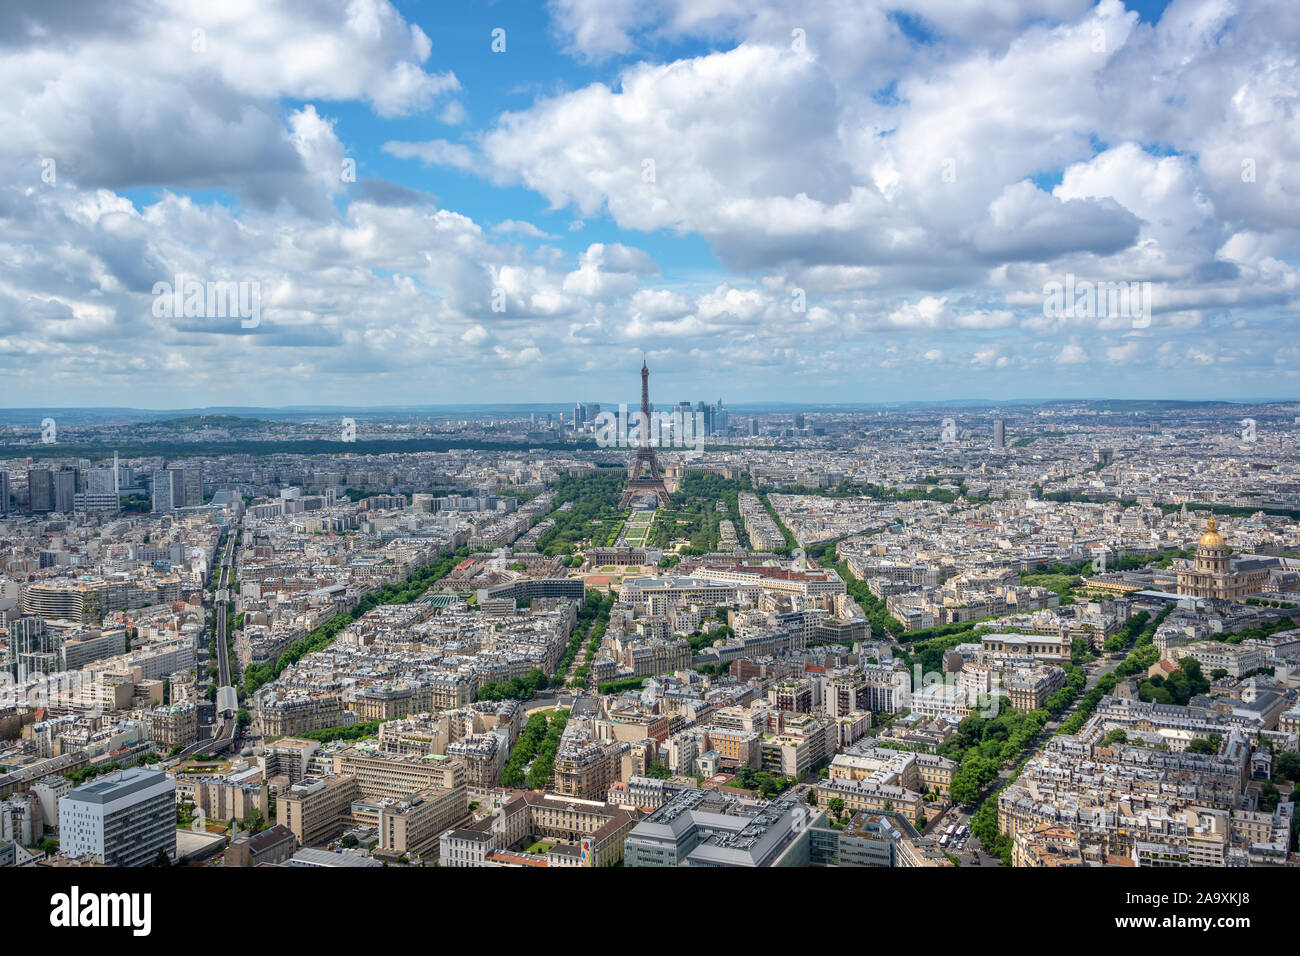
[(706, 411), (167, 495), (193, 485), (65, 490), (40, 490), (1000, 433)]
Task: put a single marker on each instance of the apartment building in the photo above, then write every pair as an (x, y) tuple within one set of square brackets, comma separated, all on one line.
[(176, 725), (289, 757), (870, 794), (484, 758), (1236, 659), (1029, 689), (806, 741), (299, 713), (587, 768), (795, 695), (923, 772), (231, 797)]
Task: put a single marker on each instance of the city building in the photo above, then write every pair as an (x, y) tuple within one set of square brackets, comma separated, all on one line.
[(124, 819), (707, 828), (1216, 574)]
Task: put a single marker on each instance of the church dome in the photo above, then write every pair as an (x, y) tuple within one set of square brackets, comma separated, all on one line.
[(1211, 540)]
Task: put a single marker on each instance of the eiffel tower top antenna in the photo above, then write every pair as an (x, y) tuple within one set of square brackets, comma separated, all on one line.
[(645, 405)]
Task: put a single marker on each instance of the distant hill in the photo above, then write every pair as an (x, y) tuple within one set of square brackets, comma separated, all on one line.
[(194, 423)]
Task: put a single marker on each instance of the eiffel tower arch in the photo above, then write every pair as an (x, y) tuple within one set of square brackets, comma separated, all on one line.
[(644, 477)]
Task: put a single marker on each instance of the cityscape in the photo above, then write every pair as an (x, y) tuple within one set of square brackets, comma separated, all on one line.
[(838, 436)]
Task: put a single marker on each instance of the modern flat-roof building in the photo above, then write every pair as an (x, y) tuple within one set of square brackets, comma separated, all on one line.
[(316, 810), (707, 828), (121, 820), (877, 839)]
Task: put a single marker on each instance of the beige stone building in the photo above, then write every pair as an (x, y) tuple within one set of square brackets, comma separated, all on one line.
[(596, 828), (587, 768), (412, 825), (1216, 574), (316, 810), (392, 775), (174, 726)]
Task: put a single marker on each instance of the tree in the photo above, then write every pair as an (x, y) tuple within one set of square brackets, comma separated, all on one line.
[(1287, 767), (162, 859), (1270, 796)]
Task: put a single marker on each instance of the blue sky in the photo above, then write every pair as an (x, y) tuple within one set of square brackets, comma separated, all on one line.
[(837, 201)]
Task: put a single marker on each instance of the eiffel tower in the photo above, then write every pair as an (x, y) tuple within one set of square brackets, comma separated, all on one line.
[(643, 474)]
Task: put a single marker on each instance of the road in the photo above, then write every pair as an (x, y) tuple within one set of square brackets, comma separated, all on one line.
[(227, 697), (1095, 671), (223, 599)]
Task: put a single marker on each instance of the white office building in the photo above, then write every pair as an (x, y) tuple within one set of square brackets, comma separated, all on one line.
[(121, 820)]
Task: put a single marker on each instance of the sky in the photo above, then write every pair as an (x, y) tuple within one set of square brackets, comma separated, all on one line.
[(838, 201)]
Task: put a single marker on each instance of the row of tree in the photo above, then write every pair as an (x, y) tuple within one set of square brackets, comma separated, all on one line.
[(533, 757), (321, 638)]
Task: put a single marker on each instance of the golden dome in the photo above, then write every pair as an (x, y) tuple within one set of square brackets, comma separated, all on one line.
[(1211, 540)]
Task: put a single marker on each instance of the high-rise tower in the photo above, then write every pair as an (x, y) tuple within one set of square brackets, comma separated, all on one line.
[(643, 475)]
